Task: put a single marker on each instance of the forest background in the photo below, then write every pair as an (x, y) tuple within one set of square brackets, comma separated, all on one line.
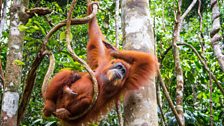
[(203, 100)]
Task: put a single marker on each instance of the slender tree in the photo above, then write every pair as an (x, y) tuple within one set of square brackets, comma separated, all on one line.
[(0, 8), (215, 36), (140, 107), (13, 66), (3, 15), (210, 100), (117, 22), (178, 69), (179, 72)]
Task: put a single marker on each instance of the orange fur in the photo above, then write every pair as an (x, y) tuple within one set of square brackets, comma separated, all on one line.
[(54, 90), (139, 68)]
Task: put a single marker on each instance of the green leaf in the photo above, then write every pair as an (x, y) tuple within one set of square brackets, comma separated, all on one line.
[(18, 62), (35, 27), (71, 36), (63, 36), (22, 27), (40, 27)]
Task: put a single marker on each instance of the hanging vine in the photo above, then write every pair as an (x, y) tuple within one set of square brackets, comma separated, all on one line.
[(40, 56)]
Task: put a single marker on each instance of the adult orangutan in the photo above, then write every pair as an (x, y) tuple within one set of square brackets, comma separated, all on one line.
[(116, 72)]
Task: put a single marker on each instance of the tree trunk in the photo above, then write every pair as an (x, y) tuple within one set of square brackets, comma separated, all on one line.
[(178, 68), (215, 36), (13, 67), (117, 22), (140, 106), (3, 16), (0, 8)]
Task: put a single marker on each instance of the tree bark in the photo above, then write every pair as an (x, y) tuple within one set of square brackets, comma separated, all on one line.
[(215, 36), (13, 67), (0, 8), (178, 69), (3, 16), (117, 22), (140, 107), (210, 100)]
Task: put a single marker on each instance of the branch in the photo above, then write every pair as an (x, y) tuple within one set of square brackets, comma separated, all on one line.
[(80, 21), (188, 9), (29, 86), (119, 113), (164, 54), (199, 14), (169, 99), (88, 1), (1, 76), (48, 21), (76, 58), (210, 100), (163, 17), (38, 11), (201, 33), (158, 98)]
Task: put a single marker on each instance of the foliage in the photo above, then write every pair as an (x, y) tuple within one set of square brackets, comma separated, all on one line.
[(196, 90)]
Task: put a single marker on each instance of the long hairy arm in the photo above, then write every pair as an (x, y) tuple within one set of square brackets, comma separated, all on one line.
[(96, 53)]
